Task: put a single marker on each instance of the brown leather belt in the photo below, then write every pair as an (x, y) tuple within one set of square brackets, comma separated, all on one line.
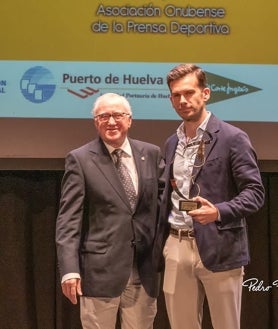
[(182, 233)]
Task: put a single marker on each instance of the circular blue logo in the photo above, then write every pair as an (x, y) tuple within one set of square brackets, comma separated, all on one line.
[(37, 84)]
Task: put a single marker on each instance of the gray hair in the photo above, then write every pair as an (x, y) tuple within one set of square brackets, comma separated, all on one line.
[(111, 98)]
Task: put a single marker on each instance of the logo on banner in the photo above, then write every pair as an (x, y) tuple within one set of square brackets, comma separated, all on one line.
[(3, 84), (84, 92), (224, 88), (37, 84)]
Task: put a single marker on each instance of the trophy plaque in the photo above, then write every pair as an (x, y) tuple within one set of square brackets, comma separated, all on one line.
[(187, 205)]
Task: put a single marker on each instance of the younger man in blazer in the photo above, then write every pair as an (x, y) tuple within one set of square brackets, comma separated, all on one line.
[(212, 184)]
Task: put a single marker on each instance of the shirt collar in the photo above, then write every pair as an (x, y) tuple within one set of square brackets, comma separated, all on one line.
[(125, 147), (199, 132)]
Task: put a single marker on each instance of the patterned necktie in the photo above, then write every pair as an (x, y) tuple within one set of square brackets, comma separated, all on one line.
[(125, 178)]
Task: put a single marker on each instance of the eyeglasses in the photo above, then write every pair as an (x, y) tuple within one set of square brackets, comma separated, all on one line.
[(117, 116)]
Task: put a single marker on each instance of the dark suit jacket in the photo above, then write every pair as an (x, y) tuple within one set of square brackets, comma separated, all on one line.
[(97, 231), (230, 179)]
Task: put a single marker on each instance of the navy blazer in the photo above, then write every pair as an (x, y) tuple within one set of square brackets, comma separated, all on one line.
[(231, 180), (97, 231)]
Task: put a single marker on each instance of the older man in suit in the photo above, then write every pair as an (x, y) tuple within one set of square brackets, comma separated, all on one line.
[(212, 184), (106, 222)]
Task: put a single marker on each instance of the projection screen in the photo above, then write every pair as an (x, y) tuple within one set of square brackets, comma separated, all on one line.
[(57, 57)]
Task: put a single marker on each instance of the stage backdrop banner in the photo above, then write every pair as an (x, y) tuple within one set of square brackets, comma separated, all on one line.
[(57, 57)]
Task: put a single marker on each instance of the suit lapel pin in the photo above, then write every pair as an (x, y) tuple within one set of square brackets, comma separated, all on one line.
[(143, 158)]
